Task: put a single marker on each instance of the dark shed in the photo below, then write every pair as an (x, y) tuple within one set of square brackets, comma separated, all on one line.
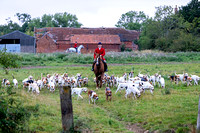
[(17, 41)]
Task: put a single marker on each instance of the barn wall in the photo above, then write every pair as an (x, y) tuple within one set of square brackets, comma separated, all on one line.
[(46, 45), (128, 44), (89, 48), (26, 41), (65, 37), (27, 49)]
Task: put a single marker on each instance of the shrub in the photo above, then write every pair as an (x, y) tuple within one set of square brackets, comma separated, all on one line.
[(60, 55), (14, 116), (166, 91), (123, 47), (8, 60)]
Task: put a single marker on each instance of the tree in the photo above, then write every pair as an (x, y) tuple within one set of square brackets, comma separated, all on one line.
[(191, 11), (163, 12), (132, 20), (24, 18), (66, 20), (8, 60), (10, 27), (27, 24)]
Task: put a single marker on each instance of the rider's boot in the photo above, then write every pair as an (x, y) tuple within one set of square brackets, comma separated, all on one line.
[(93, 65), (105, 66)]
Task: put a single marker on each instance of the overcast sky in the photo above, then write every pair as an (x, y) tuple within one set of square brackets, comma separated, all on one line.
[(91, 13)]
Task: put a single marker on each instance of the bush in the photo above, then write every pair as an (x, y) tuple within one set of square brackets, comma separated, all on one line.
[(8, 60), (123, 47), (166, 91), (14, 117)]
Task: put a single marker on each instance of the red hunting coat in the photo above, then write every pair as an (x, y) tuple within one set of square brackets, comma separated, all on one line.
[(75, 45), (101, 52)]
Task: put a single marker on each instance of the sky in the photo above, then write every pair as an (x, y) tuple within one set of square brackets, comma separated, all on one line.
[(90, 13)]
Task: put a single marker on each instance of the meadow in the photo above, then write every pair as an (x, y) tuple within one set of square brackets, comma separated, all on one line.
[(146, 56), (173, 109)]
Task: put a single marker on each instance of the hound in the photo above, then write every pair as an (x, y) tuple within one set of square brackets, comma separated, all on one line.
[(173, 78), (5, 82), (34, 88), (79, 82), (130, 75), (189, 80), (85, 81), (15, 82), (161, 82), (147, 86), (78, 91), (40, 84), (108, 93), (92, 96), (130, 89), (182, 77), (51, 85), (121, 87), (26, 82), (153, 79), (195, 78), (108, 81)]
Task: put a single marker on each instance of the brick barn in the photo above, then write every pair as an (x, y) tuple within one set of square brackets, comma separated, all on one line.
[(49, 40)]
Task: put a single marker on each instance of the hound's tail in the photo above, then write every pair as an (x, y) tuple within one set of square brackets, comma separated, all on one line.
[(13, 76)]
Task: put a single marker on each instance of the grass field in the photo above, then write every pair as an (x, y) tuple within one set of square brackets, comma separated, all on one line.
[(162, 112), (146, 56)]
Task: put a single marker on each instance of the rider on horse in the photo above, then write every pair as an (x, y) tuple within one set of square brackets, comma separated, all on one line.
[(100, 51), (75, 46)]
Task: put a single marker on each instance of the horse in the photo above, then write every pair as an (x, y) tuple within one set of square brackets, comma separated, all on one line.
[(99, 70), (73, 50)]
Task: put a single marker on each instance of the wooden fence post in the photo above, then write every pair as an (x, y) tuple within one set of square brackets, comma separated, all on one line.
[(198, 117), (66, 108)]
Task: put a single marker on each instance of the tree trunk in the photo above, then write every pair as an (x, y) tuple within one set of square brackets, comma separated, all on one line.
[(198, 118), (66, 108)]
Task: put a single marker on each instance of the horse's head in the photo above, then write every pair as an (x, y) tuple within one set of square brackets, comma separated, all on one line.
[(81, 46), (98, 58)]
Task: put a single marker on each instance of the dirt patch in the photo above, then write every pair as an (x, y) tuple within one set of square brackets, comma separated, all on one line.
[(136, 128)]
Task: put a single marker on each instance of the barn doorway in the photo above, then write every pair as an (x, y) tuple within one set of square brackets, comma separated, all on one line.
[(11, 45)]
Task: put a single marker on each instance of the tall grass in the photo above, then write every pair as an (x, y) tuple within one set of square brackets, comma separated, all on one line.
[(146, 56)]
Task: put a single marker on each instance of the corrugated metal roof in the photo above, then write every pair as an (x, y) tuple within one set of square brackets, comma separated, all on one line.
[(14, 32)]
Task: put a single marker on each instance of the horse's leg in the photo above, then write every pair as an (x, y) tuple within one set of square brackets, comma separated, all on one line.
[(101, 81), (97, 83)]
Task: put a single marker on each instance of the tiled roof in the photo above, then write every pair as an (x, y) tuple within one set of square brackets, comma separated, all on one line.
[(95, 38), (65, 33)]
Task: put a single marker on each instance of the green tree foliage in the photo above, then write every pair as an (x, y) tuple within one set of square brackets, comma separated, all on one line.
[(191, 11), (24, 18), (132, 20), (57, 20), (163, 12), (14, 116), (66, 20), (8, 60), (170, 32), (10, 27)]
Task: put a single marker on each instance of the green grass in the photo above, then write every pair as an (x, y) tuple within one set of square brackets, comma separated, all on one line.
[(176, 111), (147, 56)]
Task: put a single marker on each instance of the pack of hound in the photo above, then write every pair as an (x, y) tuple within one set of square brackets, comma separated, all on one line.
[(134, 86)]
